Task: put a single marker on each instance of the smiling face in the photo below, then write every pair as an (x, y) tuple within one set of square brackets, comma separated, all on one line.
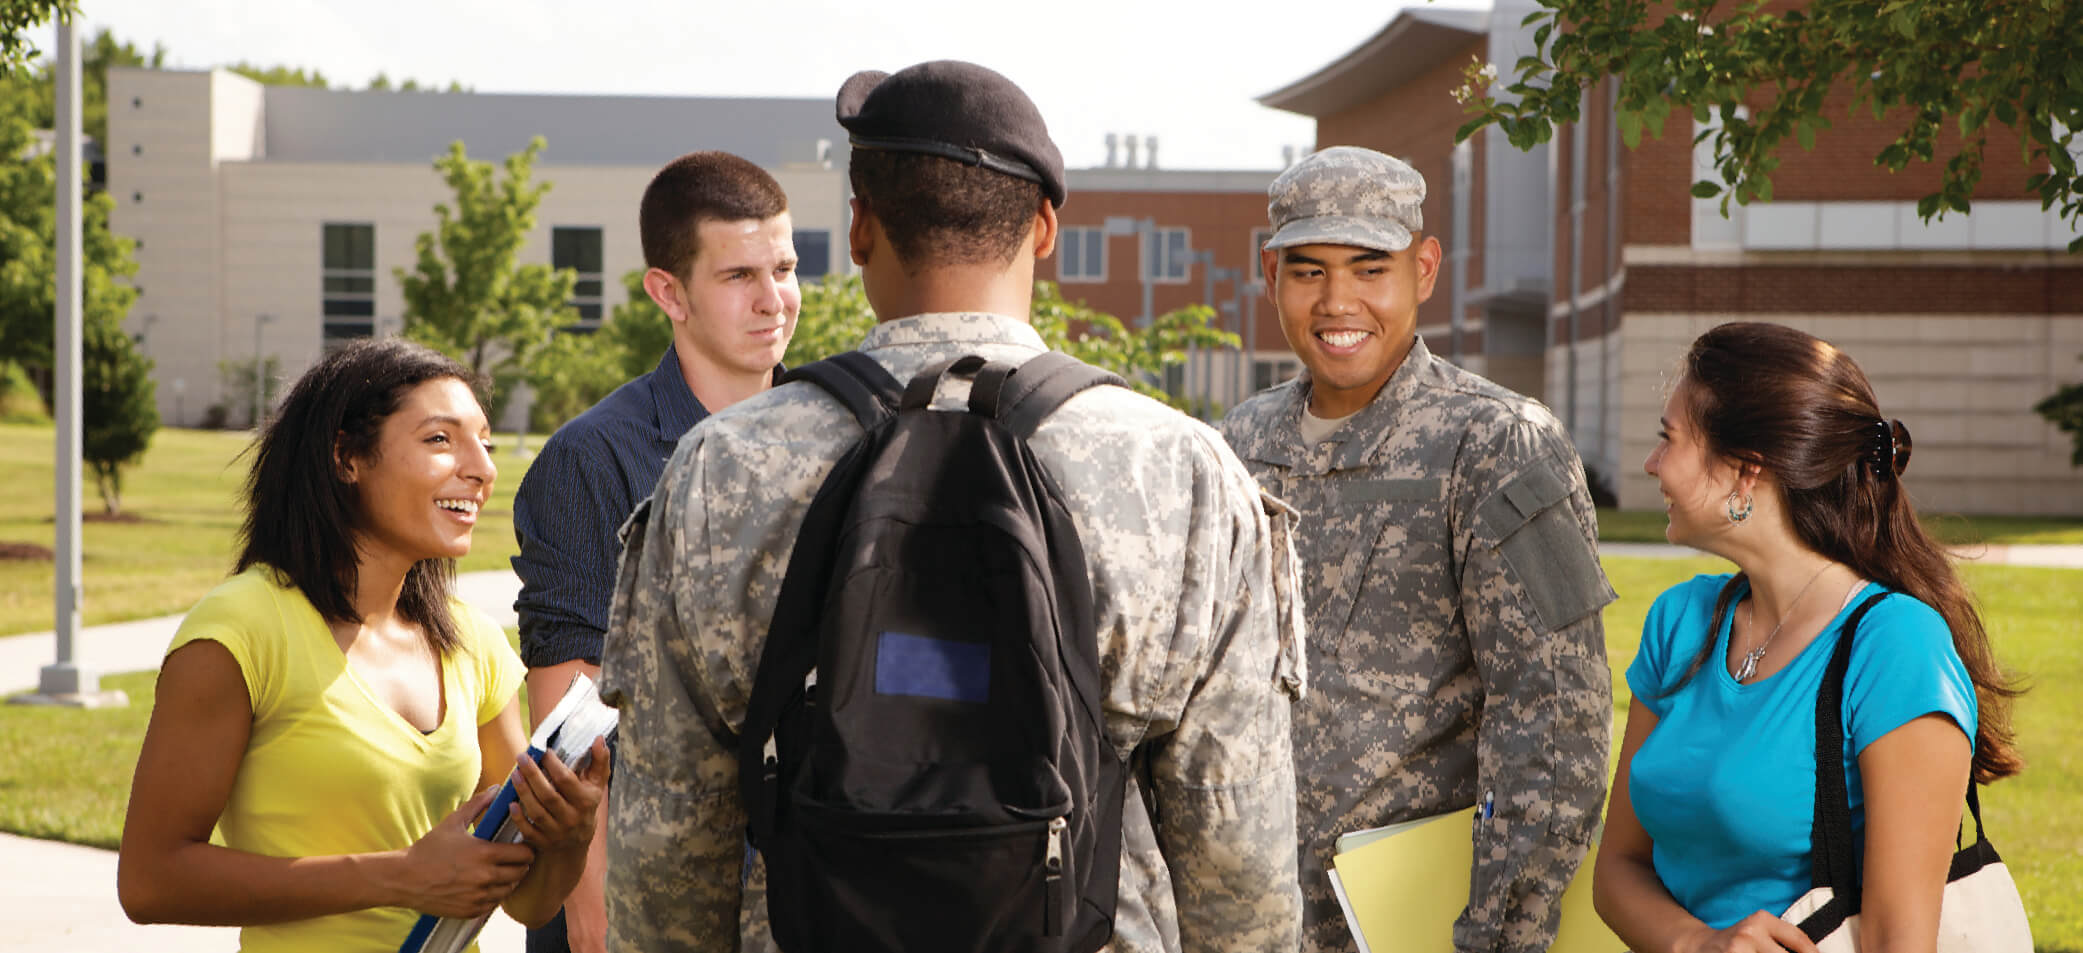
[(1350, 314), (419, 492), (1694, 482), (735, 309)]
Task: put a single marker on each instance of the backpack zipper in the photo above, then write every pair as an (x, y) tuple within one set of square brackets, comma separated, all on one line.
[(1052, 885)]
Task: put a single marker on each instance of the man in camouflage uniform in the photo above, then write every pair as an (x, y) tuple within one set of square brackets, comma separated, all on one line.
[(1453, 587), (957, 185)]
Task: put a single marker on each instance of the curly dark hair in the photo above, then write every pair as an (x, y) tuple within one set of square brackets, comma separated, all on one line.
[(942, 212), (302, 518)]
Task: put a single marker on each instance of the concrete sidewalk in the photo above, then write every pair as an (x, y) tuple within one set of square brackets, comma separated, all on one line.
[(61, 898)]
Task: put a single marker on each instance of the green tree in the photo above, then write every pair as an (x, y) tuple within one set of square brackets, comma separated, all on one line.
[(575, 371), (637, 330), (1921, 66), (2064, 408), (117, 407), (279, 75), (836, 317), (36, 89), (17, 18), (28, 240), (468, 296)]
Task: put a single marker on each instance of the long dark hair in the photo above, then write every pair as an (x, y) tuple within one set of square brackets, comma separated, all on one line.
[(302, 518), (1789, 402)]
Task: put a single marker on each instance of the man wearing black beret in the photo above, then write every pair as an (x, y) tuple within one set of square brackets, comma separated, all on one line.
[(956, 187)]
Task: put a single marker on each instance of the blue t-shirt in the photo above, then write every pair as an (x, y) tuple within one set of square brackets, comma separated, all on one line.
[(1725, 784)]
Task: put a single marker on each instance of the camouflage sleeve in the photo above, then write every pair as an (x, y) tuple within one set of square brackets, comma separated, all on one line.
[(1531, 592), (1224, 775), (675, 827)]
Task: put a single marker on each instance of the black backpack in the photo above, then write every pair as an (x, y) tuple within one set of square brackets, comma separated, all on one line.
[(924, 762)]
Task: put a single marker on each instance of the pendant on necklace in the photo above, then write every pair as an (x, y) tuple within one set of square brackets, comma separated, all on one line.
[(1749, 665)]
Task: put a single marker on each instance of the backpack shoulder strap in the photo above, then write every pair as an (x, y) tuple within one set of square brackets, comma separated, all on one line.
[(858, 381), (1033, 390)]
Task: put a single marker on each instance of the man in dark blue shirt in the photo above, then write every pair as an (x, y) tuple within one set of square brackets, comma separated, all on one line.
[(721, 264)]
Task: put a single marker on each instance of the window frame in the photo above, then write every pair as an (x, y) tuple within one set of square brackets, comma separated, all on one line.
[(1164, 263), (336, 325), (1086, 233), (581, 302)]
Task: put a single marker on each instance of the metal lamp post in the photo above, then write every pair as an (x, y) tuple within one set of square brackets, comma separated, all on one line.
[(64, 682)]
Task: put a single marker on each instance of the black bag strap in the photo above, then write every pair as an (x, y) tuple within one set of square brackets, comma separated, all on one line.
[(860, 382), (1836, 863), (1036, 388)]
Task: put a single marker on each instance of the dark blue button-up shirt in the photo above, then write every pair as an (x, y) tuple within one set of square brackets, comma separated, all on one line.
[(586, 481)]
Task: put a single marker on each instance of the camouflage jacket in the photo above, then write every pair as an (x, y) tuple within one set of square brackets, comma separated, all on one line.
[(1192, 573), (1453, 594)]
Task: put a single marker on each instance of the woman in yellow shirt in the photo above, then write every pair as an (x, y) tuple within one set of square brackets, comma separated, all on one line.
[(329, 707)]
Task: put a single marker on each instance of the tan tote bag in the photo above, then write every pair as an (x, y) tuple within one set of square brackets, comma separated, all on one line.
[(1981, 911)]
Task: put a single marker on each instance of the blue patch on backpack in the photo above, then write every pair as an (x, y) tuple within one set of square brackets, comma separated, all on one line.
[(932, 668)]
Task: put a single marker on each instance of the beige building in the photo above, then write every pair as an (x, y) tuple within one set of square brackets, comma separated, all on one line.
[(269, 220)]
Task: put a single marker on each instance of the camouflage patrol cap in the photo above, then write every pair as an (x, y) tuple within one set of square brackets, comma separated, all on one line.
[(1346, 195)]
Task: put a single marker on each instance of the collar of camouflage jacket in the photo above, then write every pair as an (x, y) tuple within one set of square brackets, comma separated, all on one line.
[(1352, 445), (955, 327)]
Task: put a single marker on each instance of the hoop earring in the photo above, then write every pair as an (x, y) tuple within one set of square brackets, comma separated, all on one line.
[(1737, 516)]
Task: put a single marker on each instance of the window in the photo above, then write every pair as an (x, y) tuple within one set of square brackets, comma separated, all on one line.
[(349, 300), (1168, 254), (813, 254), (579, 250), (1272, 373), (1081, 254), (1253, 274)]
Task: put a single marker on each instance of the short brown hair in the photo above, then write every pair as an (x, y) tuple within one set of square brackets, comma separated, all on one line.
[(941, 212), (700, 187)]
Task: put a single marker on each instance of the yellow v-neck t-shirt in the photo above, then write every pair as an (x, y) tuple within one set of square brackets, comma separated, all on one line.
[(329, 768)]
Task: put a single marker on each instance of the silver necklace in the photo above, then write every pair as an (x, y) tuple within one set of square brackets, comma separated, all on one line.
[(1749, 665)]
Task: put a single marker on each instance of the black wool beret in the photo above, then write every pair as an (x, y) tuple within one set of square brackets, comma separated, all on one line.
[(954, 110)]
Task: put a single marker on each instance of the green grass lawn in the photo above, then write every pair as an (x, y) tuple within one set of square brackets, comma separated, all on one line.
[(185, 495), (70, 770), (185, 498)]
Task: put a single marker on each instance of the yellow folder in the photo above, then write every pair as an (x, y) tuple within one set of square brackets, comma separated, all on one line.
[(1403, 886)]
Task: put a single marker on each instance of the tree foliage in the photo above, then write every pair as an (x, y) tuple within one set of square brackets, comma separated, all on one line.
[(467, 295), (280, 75), (35, 90), (28, 248), (836, 317), (574, 371), (17, 18), (117, 407), (2064, 409), (1764, 73)]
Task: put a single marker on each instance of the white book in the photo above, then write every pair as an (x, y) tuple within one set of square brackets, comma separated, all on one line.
[(570, 729)]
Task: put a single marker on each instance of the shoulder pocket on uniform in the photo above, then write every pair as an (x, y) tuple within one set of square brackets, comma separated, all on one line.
[(1530, 520)]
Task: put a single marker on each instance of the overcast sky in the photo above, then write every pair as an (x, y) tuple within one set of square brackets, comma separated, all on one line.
[(1187, 72)]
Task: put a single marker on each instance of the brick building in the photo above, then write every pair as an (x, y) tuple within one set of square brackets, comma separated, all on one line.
[(1962, 324), (1202, 231)]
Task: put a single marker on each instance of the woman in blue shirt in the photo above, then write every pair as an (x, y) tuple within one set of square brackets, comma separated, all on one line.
[(1774, 455)]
